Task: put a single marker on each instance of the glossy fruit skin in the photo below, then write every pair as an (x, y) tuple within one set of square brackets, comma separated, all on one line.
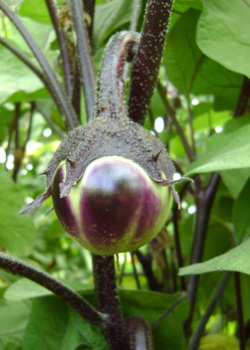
[(115, 207)]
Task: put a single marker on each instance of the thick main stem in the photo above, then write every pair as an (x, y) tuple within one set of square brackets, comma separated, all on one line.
[(148, 58), (108, 302)]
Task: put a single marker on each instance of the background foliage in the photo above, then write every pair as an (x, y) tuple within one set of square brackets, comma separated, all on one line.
[(205, 76)]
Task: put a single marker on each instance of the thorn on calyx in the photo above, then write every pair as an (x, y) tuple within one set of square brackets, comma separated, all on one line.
[(156, 156), (71, 163)]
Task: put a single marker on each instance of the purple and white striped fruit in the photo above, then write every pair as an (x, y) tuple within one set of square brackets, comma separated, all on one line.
[(115, 207), (112, 185)]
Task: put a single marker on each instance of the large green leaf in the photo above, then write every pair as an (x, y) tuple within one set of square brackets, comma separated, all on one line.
[(17, 233), (224, 151), (236, 259), (223, 33), (190, 70)]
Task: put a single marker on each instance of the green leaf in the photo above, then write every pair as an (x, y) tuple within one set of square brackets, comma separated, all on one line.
[(151, 305), (214, 79), (241, 217), (55, 326), (24, 289), (91, 336), (17, 233), (42, 34), (182, 56), (236, 259), (109, 17), (14, 319), (224, 151), (223, 30), (36, 10), (25, 81), (235, 187), (47, 325)]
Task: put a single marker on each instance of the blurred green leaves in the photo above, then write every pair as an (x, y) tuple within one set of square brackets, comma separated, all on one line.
[(17, 233)]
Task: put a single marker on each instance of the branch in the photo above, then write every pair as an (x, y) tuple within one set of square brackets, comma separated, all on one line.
[(56, 90), (204, 202), (62, 44), (243, 98), (25, 59), (171, 113), (21, 268), (84, 55), (239, 308), (148, 58), (53, 126), (171, 309), (108, 302), (89, 9), (146, 262), (195, 339)]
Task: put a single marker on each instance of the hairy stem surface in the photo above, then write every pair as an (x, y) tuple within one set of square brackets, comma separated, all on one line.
[(107, 300)]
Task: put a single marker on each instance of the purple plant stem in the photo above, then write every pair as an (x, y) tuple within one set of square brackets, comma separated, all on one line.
[(108, 302), (21, 268), (204, 202), (148, 58), (84, 57), (62, 44), (89, 8)]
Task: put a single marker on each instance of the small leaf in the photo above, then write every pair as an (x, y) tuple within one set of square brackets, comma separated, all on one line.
[(17, 233), (236, 259)]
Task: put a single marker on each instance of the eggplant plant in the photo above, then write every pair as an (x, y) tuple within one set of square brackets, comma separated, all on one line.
[(112, 180)]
